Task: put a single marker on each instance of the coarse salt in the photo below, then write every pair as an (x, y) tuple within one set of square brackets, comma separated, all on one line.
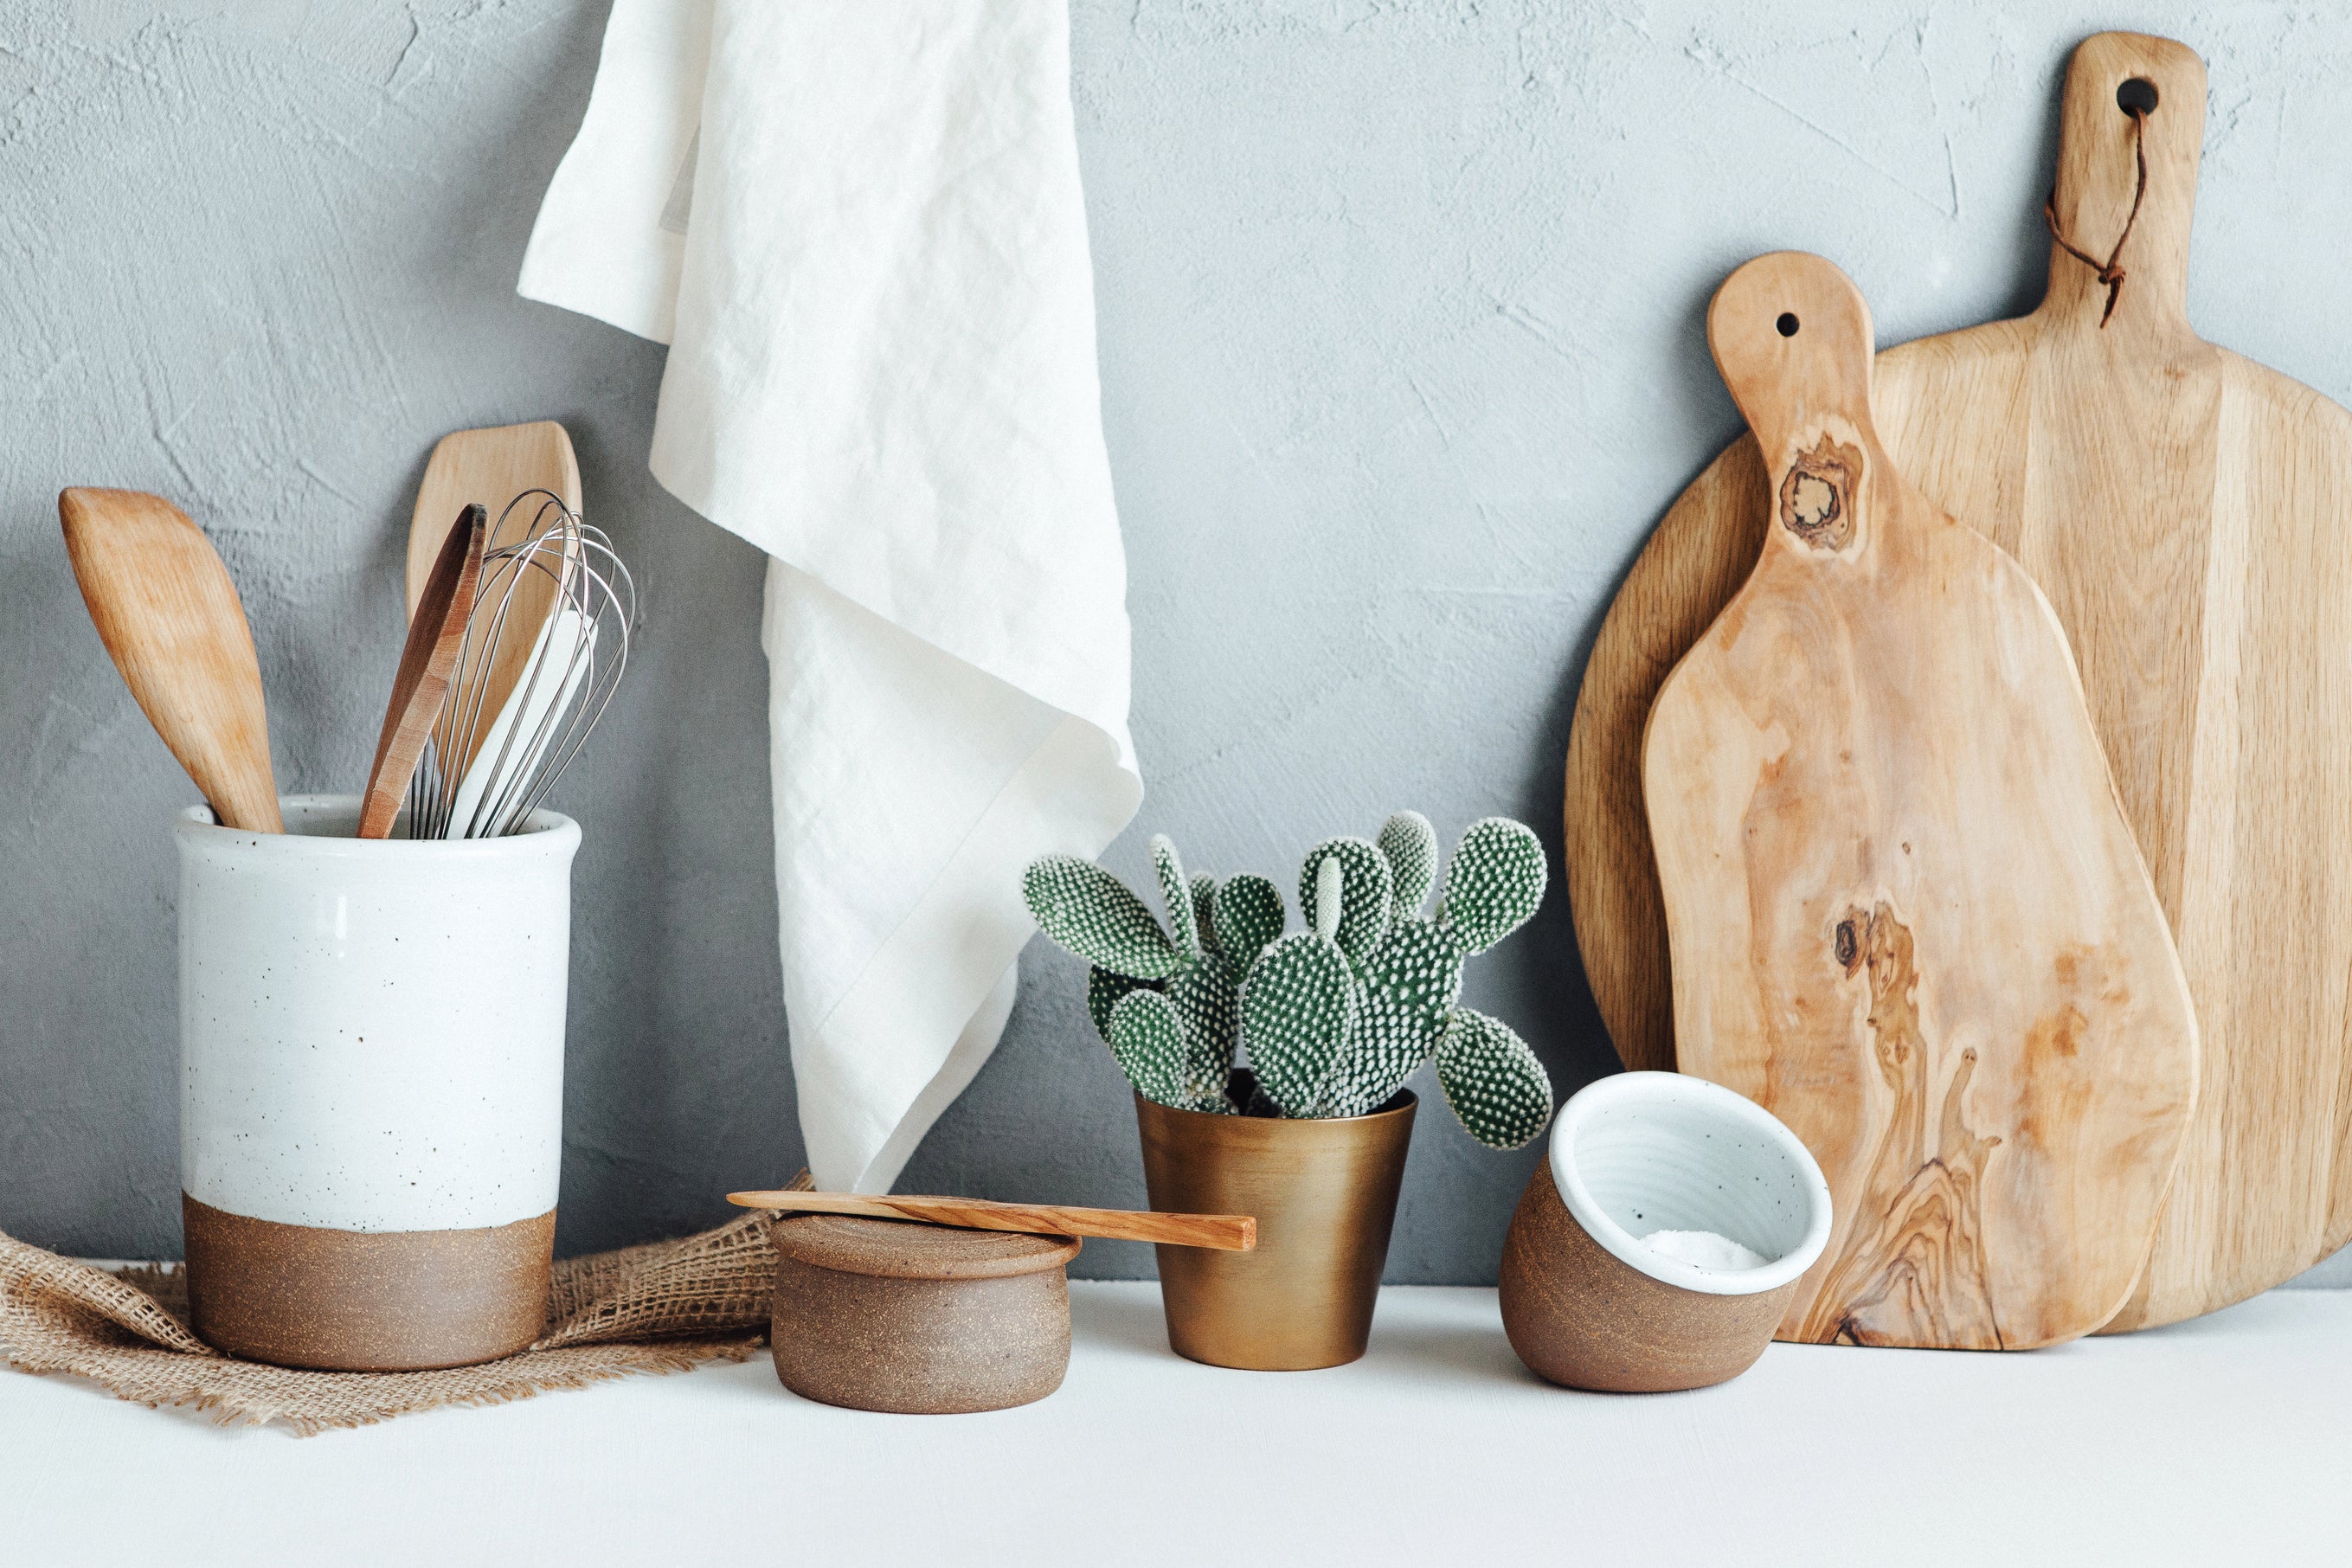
[(1703, 1249)]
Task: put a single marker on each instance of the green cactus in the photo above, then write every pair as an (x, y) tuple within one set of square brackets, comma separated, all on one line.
[(1335, 1017), (1168, 1007), (1404, 978)]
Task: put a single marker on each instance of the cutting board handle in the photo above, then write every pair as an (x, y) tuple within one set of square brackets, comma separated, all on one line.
[(1791, 336), (2098, 177)]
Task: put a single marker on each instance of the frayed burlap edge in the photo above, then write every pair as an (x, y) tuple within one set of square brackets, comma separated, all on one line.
[(661, 1307)]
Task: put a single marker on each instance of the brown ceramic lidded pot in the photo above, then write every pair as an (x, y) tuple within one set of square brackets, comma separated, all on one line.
[(1325, 1195), (1588, 1303), (924, 1320)]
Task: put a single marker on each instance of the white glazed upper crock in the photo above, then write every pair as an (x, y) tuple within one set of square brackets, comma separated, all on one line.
[(372, 1031), (1643, 1151)]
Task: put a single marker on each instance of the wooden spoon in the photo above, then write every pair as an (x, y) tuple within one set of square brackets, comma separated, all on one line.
[(492, 466), (435, 632), (171, 618), (1225, 1232)]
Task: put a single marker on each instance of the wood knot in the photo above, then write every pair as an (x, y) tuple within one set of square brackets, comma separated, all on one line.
[(1817, 495)]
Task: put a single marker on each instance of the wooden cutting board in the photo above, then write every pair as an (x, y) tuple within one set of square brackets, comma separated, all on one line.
[(1907, 914), (2187, 513)]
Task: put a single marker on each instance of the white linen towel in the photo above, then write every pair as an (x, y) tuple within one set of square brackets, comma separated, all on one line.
[(859, 226)]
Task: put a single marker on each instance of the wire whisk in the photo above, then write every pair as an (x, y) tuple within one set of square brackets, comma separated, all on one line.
[(550, 628)]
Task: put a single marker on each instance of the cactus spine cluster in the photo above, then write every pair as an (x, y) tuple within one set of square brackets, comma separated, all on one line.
[(1334, 1018)]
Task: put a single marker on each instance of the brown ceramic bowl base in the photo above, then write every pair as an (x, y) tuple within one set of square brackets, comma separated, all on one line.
[(918, 1320), (345, 1300), (1325, 1195), (1580, 1316)]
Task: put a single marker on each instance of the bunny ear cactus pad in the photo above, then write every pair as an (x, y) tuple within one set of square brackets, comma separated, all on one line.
[(1411, 845), (1104, 991), (1404, 996), (1205, 998), (1148, 1038), (1367, 894), (1175, 894), (1204, 910), (1493, 1080), (1298, 1011), (1249, 916), (1494, 882), (1091, 912)]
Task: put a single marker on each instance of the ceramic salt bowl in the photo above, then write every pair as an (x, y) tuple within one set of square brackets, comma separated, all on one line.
[(920, 1319), (1588, 1303), (370, 1087)]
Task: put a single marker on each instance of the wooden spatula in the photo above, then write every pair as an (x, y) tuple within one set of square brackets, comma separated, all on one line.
[(436, 631), (169, 616), (491, 467), (1224, 1232), (1907, 914)]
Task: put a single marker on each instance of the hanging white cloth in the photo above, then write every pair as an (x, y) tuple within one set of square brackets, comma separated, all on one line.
[(860, 228)]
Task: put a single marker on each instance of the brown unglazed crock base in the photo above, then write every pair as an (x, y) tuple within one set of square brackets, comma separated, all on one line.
[(346, 1301), (1579, 1315)]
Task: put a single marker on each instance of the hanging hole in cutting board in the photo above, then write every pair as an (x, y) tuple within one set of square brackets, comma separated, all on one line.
[(1787, 323), (2137, 95)]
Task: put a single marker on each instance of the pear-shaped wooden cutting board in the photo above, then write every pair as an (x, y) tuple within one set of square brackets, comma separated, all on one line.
[(1906, 912), (2190, 515)]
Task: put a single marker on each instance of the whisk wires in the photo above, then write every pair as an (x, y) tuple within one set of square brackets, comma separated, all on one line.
[(546, 643)]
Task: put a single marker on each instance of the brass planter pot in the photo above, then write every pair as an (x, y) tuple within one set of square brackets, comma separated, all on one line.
[(1324, 1194)]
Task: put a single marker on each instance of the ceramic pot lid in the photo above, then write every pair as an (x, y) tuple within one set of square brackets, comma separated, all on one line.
[(905, 1249)]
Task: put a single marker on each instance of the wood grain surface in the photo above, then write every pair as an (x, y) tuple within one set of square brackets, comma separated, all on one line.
[(492, 466), (174, 627), (1223, 1232), (2186, 512), (1906, 912), (420, 686)]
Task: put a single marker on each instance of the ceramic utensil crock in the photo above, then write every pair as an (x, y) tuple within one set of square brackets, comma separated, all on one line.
[(918, 1320), (370, 1087), (1586, 1303), (1324, 1194)]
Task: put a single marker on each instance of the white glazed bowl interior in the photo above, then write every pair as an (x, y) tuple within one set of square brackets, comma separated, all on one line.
[(1644, 1152)]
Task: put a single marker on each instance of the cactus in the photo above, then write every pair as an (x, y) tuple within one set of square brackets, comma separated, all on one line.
[(1405, 976), (1335, 1017), (1168, 1007)]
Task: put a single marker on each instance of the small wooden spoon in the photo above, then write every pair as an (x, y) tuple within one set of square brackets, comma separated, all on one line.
[(435, 632), (1225, 1232), (169, 614)]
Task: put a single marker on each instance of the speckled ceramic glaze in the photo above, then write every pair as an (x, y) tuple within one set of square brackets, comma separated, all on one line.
[(1586, 1303), (371, 1046)]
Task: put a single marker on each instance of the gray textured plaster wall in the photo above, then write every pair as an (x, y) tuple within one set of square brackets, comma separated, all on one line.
[(1403, 356)]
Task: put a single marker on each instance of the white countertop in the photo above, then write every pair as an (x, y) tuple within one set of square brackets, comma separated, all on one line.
[(2224, 1440)]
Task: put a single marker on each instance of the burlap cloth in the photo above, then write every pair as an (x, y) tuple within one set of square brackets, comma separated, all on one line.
[(665, 1307)]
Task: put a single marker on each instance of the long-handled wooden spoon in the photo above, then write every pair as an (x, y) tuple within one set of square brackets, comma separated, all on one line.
[(1224, 1232), (435, 632), (171, 618)]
